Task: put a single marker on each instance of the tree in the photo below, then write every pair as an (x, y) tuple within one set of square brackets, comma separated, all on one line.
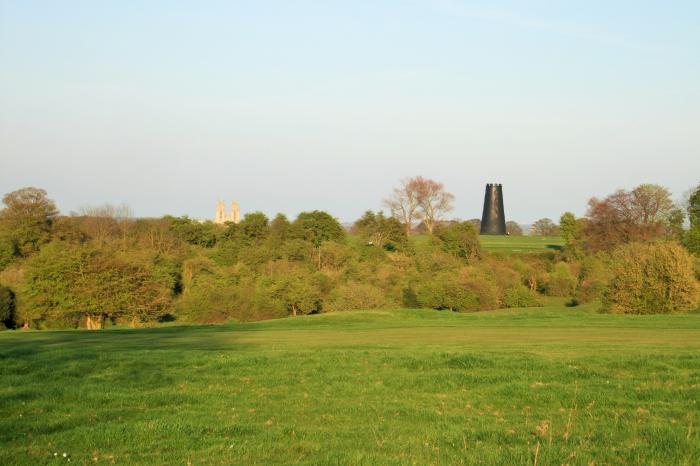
[(691, 238), (651, 278), (648, 204), (444, 291), (544, 227), (27, 218), (254, 226), (378, 230), (7, 307), (404, 203), (433, 200), (567, 227), (194, 232), (693, 208), (460, 240), (477, 224), (512, 228), (69, 284), (106, 221), (643, 214), (317, 227), (279, 229), (295, 290)]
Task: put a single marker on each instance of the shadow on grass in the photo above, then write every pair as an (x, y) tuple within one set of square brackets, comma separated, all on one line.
[(20, 344)]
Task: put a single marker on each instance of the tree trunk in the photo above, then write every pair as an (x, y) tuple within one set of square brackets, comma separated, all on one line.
[(93, 322)]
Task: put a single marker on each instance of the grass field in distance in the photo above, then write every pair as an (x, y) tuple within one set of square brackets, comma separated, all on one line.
[(551, 385), (511, 244)]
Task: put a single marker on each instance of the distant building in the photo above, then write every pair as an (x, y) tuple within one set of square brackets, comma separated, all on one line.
[(223, 217), (493, 219)]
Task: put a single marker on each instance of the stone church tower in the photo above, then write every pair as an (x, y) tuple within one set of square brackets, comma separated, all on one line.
[(235, 212), (223, 217)]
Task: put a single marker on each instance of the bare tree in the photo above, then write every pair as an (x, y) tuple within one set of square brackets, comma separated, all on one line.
[(544, 227), (404, 203), (104, 221), (433, 200)]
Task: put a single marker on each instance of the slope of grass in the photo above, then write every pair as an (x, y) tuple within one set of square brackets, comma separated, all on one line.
[(510, 244), (551, 385)]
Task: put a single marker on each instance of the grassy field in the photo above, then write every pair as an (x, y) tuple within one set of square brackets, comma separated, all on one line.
[(509, 244), (552, 385)]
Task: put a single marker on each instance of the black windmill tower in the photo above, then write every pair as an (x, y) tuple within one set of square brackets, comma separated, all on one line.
[(493, 220)]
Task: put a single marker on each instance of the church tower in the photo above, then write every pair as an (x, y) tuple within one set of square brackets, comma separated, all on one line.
[(222, 216), (235, 212), (220, 212)]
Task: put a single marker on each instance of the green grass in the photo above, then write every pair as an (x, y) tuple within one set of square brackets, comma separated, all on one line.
[(552, 385), (510, 244)]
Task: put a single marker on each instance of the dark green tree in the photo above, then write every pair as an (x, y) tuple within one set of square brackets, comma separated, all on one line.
[(194, 232), (381, 231), (459, 239), (318, 226), (254, 227), (568, 227), (7, 307), (691, 238), (26, 220)]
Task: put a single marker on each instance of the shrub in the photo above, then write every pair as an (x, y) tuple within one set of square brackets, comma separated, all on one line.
[(355, 296), (460, 240), (654, 278), (479, 282), (520, 297), (296, 292), (593, 278), (67, 283), (444, 291), (560, 282)]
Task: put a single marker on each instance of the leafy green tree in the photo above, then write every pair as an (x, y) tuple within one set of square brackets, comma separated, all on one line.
[(279, 229), (7, 307), (691, 238), (354, 295), (561, 281), (26, 220), (568, 227), (317, 227), (694, 207), (194, 232), (445, 292), (651, 278), (297, 291), (383, 232), (8, 250), (460, 240), (254, 227), (72, 284), (520, 296)]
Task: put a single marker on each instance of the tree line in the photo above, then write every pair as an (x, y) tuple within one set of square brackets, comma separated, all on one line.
[(634, 251)]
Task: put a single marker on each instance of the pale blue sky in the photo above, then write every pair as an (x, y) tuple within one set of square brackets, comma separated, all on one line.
[(297, 105)]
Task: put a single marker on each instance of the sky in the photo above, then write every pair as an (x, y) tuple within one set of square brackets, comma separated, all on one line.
[(292, 105)]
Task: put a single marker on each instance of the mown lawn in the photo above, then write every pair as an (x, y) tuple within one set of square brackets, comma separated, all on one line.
[(510, 244), (552, 385)]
